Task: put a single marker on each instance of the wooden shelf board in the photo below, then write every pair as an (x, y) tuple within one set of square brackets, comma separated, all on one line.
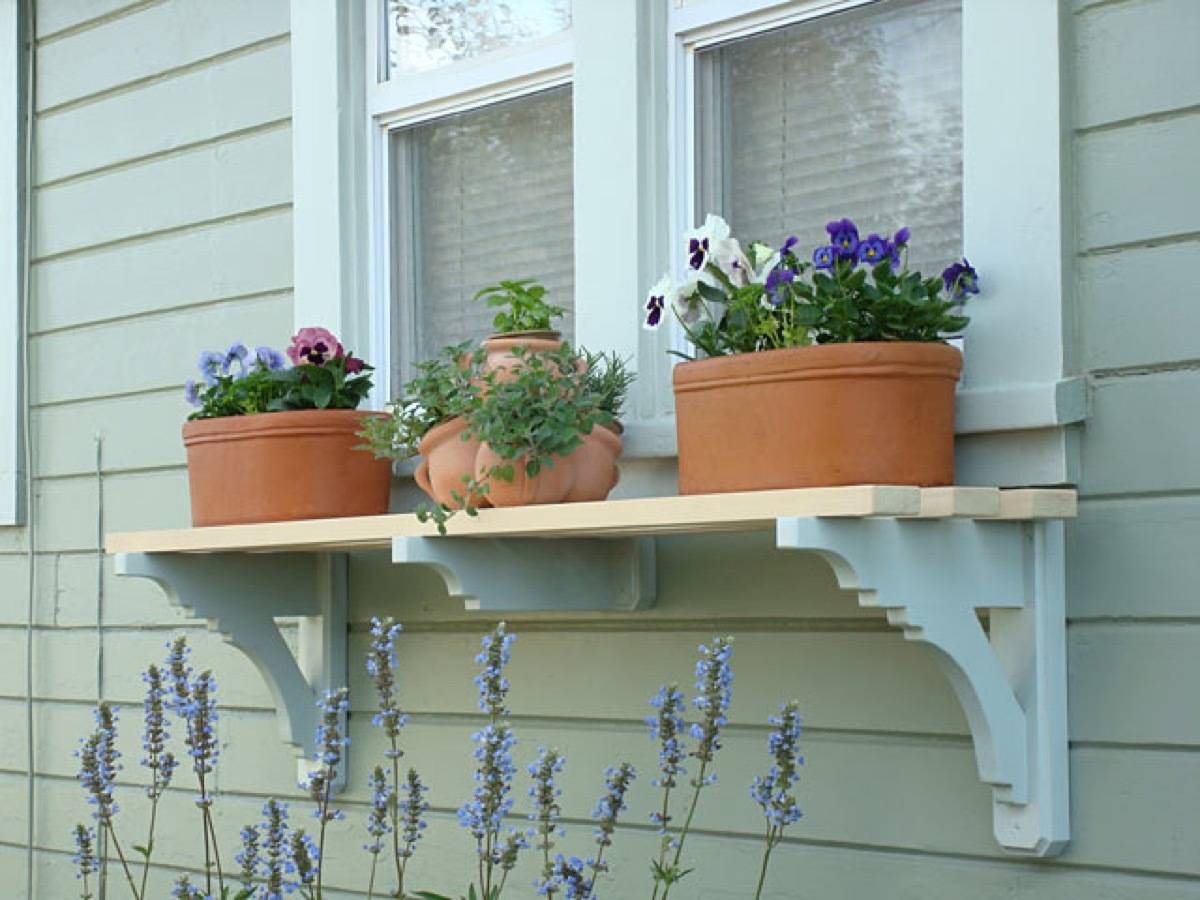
[(614, 518)]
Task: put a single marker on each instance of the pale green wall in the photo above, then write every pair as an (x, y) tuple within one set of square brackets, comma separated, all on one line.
[(164, 228)]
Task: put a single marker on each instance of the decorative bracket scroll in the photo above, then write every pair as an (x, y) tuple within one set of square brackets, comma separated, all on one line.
[(931, 576), (518, 574), (231, 591)]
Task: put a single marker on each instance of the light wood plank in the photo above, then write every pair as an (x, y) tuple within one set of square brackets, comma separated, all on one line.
[(616, 518), (966, 502)]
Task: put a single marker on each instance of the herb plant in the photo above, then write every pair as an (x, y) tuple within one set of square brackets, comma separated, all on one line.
[(443, 388), (609, 377), (526, 306), (322, 375), (852, 289)]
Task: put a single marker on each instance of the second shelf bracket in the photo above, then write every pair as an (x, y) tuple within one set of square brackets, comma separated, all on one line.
[(931, 577)]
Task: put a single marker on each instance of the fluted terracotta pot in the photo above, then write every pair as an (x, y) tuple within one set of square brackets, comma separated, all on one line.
[(499, 347), (595, 464), (447, 462), (832, 414), (282, 466), (550, 485)]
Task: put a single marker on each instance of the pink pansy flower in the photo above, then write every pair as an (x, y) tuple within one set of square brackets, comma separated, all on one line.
[(354, 365), (314, 346)]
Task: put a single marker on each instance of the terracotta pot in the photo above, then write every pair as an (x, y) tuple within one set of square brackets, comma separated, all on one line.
[(595, 463), (863, 413), (281, 466), (448, 460), (550, 485), (499, 347)]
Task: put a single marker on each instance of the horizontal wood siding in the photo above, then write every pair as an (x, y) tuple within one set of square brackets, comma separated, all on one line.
[(164, 228)]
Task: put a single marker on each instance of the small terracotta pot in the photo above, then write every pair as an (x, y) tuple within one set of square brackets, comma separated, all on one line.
[(448, 461), (595, 463), (282, 466), (550, 485), (499, 347), (833, 414)]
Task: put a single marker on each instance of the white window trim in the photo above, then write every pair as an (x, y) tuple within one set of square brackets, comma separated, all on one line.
[(632, 62), (12, 165)]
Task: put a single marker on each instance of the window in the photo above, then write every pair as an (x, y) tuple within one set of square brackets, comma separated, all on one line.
[(473, 103), (480, 196), (853, 114)]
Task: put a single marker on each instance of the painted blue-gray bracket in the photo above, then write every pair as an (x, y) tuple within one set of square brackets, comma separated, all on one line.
[(241, 595), (514, 574), (932, 577)]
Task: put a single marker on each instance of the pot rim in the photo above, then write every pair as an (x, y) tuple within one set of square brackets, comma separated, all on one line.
[(859, 359), (542, 335), (284, 422), (441, 433)]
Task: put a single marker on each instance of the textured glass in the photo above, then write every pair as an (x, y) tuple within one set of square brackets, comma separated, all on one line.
[(429, 34), (857, 114), (491, 198)]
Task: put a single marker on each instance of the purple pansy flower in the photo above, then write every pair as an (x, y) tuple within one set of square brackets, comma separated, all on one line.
[(901, 237), (843, 235), (824, 257), (791, 242), (210, 366), (873, 250), (191, 392), (960, 279), (236, 353), (267, 358), (778, 277)]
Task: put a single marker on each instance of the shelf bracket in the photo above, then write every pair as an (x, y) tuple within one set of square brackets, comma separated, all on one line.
[(230, 590), (529, 574), (931, 576)]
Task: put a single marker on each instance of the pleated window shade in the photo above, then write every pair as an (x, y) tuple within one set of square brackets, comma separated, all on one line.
[(478, 197), (855, 114)]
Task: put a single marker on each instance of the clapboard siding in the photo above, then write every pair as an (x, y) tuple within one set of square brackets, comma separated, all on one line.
[(160, 38), (234, 259), (1133, 303), (57, 18), (1142, 434), (1120, 169), (233, 177), (197, 106), (1136, 59)]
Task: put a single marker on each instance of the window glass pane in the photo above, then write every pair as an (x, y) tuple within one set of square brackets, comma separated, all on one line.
[(856, 114), (429, 34), (477, 197)]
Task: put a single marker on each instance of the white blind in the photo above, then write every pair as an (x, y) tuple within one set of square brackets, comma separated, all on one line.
[(855, 114), (479, 197)]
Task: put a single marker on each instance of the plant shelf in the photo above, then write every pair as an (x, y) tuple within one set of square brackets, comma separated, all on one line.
[(932, 558)]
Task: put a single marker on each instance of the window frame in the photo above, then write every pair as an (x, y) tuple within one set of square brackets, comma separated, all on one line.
[(13, 99), (415, 98)]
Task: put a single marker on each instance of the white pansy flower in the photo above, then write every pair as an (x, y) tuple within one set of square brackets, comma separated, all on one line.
[(660, 297), (700, 242)]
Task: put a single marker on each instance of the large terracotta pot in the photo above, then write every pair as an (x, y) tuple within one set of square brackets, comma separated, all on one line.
[(448, 460), (281, 466), (862, 413), (499, 347), (550, 485), (595, 464)]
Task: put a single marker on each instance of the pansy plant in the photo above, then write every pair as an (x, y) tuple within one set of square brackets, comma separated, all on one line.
[(322, 375), (852, 288)]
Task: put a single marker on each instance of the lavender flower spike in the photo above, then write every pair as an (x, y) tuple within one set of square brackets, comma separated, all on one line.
[(248, 856), (84, 857), (545, 794), (184, 890), (714, 681), (381, 666), (377, 815), (99, 763), (412, 808), (330, 744), (201, 738), (667, 728), (773, 791), (160, 761)]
